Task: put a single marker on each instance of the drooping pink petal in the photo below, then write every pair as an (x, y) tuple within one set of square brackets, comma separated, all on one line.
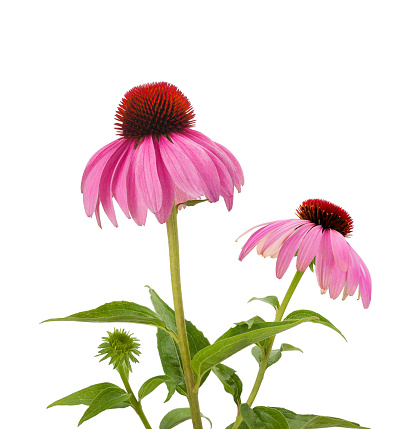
[(353, 273), (146, 175), (279, 235), (97, 214), (237, 168), (119, 182), (324, 261), (259, 235), (340, 250), (337, 282), (168, 188), (365, 282), (105, 191), (289, 249), (254, 227), (229, 202), (91, 185), (204, 165), (309, 247), (95, 159), (181, 169), (136, 205)]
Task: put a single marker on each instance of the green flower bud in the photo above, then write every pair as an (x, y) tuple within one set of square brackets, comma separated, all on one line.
[(120, 346)]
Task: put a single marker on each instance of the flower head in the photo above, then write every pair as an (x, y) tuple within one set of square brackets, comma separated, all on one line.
[(158, 161), (120, 346), (318, 235)]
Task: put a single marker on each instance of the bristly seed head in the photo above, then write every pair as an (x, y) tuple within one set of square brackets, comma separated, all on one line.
[(120, 346), (153, 109), (326, 214)]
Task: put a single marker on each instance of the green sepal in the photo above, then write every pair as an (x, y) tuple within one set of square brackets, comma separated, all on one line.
[(300, 314), (310, 421), (117, 311), (86, 396), (107, 399), (150, 385), (263, 418), (231, 382), (275, 355), (177, 416), (272, 300), (169, 352), (222, 349), (191, 203)]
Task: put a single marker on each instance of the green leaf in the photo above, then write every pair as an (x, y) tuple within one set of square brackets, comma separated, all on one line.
[(117, 311), (231, 382), (252, 419), (150, 385), (251, 322), (105, 400), (310, 421), (301, 314), (169, 352), (211, 355), (177, 416), (243, 425), (275, 355), (263, 418), (85, 396), (272, 300), (192, 202)]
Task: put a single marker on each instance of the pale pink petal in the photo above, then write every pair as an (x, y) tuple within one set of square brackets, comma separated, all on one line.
[(97, 214), (324, 261), (237, 168), (146, 175), (340, 250), (204, 165), (168, 188), (337, 282), (289, 249), (229, 202), (365, 282), (181, 169), (181, 197), (95, 159), (259, 235), (105, 193), (251, 229), (136, 205), (91, 185), (119, 183), (308, 248), (353, 273)]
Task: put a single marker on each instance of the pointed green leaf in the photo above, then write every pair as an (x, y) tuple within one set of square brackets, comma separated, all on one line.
[(241, 328), (177, 416), (272, 300), (85, 396), (310, 421), (231, 382), (117, 311), (252, 419), (150, 385), (169, 352), (271, 418), (243, 425), (300, 314), (105, 400), (211, 355), (255, 320)]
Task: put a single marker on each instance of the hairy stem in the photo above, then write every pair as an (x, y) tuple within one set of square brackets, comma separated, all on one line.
[(134, 402), (172, 233), (266, 353)]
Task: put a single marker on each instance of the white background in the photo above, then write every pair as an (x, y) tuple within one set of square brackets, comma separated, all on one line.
[(306, 94)]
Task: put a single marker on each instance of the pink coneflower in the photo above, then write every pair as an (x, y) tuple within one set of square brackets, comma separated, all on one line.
[(319, 233), (158, 161)]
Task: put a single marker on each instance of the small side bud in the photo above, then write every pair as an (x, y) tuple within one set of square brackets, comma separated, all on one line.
[(121, 347)]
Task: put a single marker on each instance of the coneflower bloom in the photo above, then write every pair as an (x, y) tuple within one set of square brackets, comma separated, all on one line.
[(158, 161), (317, 236)]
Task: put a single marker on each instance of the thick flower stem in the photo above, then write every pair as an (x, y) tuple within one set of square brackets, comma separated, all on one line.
[(266, 353), (134, 402), (172, 232)]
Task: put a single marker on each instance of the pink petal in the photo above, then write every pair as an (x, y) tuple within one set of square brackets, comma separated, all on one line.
[(353, 273), (229, 202), (340, 250), (136, 205), (308, 248), (289, 249), (97, 214), (237, 168), (204, 165), (324, 261), (337, 282), (146, 175), (91, 184), (365, 282), (105, 193), (180, 167), (119, 182)]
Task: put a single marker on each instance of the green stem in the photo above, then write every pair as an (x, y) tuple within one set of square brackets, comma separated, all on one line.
[(266, 353), (172, 233), (134, 402)]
